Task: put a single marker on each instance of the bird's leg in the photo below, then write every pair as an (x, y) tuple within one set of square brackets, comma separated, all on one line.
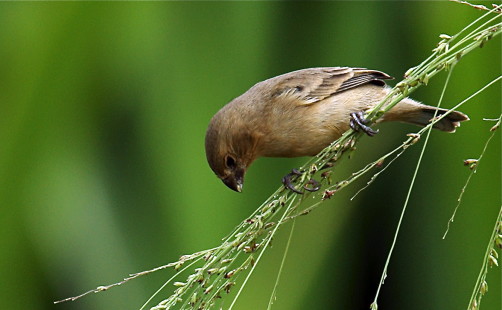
[(358, 121), (315, 186), (286, 180)]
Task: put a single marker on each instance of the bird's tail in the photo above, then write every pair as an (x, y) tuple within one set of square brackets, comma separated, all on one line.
[(410, 111)]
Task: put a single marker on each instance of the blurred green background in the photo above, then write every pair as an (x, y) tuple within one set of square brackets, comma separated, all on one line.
[(103, 171)]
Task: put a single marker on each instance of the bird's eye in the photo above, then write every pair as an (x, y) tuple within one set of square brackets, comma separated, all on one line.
[(230, 161)]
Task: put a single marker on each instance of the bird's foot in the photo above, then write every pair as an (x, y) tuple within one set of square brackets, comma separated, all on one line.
[(286, 180), (311, 186), (358, 122), (314, 186)]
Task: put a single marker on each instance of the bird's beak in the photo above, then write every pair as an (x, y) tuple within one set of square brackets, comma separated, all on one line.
[(235, 182)]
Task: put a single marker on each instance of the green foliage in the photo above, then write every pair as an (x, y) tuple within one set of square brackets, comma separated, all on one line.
[(102, 164)]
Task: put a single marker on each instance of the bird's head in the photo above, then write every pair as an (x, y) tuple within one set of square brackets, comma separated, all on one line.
[(230, 148)]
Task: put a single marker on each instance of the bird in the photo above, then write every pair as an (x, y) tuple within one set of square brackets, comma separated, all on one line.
[(300, 113)]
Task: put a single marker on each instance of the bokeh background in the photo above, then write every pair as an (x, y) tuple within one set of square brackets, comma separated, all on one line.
[(104, 108)]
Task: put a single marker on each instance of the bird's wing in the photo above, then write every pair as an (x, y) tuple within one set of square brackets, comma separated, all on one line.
[(313, 85)]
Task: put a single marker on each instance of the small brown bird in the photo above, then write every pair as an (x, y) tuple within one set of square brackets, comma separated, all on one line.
[(300, 113)]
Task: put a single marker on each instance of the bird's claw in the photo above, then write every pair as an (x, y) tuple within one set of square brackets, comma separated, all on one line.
[(286, 180), (358, 121), (315, 186)]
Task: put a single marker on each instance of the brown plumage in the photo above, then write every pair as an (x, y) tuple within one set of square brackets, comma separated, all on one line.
[(300, 113)]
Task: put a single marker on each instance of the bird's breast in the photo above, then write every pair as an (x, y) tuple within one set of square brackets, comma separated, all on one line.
[(304, 131)]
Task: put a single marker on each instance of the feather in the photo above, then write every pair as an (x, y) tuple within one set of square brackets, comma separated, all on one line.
[(309, 86)]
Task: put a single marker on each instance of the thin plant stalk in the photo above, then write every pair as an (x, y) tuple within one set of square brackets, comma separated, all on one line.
[(374, 305), (221, 267)]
